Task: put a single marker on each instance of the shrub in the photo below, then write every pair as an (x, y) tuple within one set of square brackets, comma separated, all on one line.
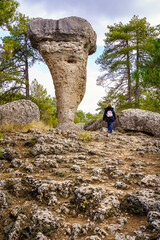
[(85, 135)]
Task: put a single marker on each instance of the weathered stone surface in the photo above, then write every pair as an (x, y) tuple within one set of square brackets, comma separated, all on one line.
[(65, 45), (57, 202), (153, 219), (3, 200), (21, 112), (17, 227), (41, 236), (140, 120), (142, 202), (108, 207), (87, 196), (95, 125), (43, 221), (8, 154)]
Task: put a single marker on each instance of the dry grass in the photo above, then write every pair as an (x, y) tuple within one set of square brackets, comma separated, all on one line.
[(12, 127)]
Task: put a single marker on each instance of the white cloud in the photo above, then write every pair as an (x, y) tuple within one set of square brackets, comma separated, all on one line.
[(43, 76), (93, 94)]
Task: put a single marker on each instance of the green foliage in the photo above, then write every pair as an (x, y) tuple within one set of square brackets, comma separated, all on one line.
[(1, 136), (82, 117), (16, 57), (118, 99), (46, 104), (150, 100), (11, 79), (150, 71), (85, 135), (9, 97), (76, 119), (131, 62), (7, 11)]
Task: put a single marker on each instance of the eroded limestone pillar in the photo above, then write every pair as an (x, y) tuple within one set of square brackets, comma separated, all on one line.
[(65, 45)]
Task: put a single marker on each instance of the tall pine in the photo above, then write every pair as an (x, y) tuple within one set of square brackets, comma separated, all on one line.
[(19, 55), (116, 59), (124, 55)]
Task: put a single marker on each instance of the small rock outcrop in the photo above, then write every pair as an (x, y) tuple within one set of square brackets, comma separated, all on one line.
[(19, 112), (65, 45), (140, 120), (95, 125)]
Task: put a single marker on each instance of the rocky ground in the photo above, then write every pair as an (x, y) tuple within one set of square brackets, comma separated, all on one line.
[(88, 186)]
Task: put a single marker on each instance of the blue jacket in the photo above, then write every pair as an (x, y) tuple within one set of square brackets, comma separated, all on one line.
[(109, 119)]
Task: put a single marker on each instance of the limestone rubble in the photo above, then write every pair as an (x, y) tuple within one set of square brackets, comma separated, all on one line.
[(57, 185)]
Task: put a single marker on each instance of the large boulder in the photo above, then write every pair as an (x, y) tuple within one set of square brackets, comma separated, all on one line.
[(140, 120), (19, 112), (95, 125), (65, 45)]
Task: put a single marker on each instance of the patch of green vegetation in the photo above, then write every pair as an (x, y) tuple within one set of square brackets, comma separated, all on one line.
[(1, 136), (30, 143), (85, 135), (1, 154)]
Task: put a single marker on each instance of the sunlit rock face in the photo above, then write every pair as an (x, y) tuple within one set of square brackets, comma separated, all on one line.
[(65, 45)]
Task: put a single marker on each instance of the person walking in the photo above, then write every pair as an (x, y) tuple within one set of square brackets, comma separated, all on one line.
[(109, 116)]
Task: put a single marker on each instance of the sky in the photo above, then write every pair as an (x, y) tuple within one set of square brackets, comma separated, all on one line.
[(99, 13)]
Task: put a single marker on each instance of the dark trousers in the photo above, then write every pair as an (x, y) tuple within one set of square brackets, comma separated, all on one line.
[(110, 124)]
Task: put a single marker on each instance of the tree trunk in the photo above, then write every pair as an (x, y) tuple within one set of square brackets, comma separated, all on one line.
[(129, 76), (27, 80), (26, 71), (137, 79)]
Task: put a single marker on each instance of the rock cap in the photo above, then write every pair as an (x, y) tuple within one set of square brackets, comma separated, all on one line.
[(65, 29)]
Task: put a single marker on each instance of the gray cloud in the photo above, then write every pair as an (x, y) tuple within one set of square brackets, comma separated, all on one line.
[(99, 13), (106, 8)]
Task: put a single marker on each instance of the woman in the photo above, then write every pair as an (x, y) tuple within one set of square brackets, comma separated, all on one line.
[(109, 116)]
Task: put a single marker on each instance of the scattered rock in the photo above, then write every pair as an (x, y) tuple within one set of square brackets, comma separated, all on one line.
[(71, 189), (108, 207), (153, 218), (3, 200), (8, 154), (43, 221), (151, 181), (17, 227), (141, 202), (121, 236), (41, 236)]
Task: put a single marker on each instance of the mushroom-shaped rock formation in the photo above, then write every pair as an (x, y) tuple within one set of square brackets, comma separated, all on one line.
[(65, 45)]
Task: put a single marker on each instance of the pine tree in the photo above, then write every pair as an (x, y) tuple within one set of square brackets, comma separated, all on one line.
[(17, 56), (124, 55), (7, 12), (46, 103), (141, 32), (116, 58)]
